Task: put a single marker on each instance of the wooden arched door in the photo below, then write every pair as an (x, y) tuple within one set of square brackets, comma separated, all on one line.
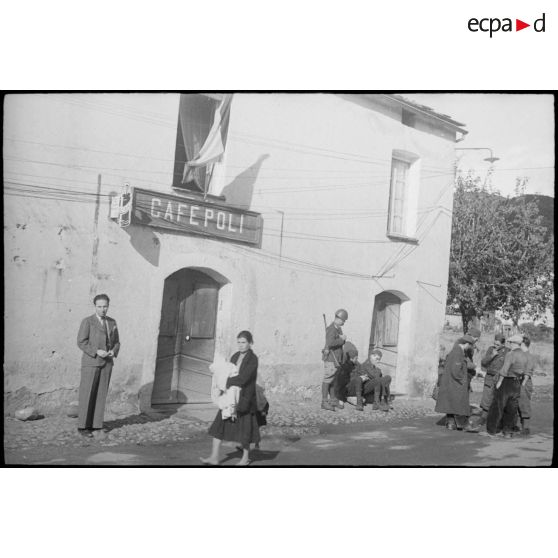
[(186, 343), (384, 334)]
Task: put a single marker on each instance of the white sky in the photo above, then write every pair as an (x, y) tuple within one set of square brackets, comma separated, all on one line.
[(519, 128)]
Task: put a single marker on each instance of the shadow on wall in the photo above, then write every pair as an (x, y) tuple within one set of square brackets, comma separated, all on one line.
[(241, 190), (145, 242)]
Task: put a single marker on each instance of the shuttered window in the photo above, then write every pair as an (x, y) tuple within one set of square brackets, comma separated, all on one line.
[(398, 196)]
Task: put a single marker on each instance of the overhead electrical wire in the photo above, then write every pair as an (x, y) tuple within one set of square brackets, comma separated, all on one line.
[(78, 196), (386, 162), (267, 190), (296, 263)]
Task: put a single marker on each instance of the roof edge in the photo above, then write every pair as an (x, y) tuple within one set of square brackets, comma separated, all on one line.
[(426, 111)]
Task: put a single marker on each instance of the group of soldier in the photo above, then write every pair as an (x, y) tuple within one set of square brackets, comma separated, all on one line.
[(507, 390), (346, 377)]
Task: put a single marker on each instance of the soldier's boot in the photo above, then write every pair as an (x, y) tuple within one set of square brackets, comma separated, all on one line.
[(451, 423), (333, 397), (473, 425), (384, 405), (482, 418), (325, 403), (359, 403)]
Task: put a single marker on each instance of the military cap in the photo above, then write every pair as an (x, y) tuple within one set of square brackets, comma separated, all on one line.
[(466, 339), (350, 350), (516, 339)]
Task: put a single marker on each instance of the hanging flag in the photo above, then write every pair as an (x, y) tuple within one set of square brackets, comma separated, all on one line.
[(214, 145)]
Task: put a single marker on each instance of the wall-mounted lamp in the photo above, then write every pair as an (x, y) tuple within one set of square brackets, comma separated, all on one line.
[(490, 159)]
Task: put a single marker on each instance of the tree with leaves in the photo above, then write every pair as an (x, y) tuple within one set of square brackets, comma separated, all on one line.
[(501, 257)]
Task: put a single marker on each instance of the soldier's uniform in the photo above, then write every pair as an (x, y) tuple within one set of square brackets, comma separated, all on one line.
[(345, 371), (333, 357), (506, 397), (492, 363), (525, 393)]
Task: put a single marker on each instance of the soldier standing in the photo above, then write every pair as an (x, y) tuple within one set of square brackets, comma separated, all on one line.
[(332, 356), (508, 387), (526, 390), (492, 362)]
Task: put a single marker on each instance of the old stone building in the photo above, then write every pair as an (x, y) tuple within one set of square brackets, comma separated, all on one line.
[(318, 201)]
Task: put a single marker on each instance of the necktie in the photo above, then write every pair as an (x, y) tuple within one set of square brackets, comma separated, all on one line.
[(105, 324)]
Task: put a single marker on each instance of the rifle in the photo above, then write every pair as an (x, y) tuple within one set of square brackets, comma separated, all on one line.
[(325, 350)]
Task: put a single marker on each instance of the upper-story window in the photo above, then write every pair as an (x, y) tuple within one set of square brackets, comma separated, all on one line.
[(201, 116), (404, 186)]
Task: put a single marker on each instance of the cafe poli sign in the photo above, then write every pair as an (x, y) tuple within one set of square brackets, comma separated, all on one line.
[(192, 216)]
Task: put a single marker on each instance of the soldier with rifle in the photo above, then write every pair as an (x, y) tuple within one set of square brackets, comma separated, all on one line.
[(332, 355)]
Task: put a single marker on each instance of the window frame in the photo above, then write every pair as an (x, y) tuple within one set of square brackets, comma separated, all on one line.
[(411, 163), (180, 153)]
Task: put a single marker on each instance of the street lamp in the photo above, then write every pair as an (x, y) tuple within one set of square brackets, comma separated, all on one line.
[(490, 159)]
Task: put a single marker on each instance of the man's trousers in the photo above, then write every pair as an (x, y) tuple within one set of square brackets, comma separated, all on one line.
[(488, 392), (378, 386), (525, 399), (504, 406), (93, 389)]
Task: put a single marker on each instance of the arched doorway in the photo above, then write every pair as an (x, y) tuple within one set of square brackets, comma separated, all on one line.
[(384, 334), (186, 343)]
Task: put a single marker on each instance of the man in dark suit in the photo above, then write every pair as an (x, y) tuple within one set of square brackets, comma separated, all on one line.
[(99, 341)]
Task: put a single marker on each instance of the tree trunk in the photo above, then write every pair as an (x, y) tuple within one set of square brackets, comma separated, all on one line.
[(475, 322), (515, 324), (464, 320)]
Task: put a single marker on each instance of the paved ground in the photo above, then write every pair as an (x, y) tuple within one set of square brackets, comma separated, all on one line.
[(299, 433)]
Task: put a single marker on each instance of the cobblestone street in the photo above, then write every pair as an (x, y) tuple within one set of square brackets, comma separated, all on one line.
[(286, 417), (290, 417)]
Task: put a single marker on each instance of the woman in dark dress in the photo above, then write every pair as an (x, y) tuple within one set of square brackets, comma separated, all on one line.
[(244, 430)]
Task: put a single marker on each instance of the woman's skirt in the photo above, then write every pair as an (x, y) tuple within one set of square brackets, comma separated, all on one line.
[(244, 430)]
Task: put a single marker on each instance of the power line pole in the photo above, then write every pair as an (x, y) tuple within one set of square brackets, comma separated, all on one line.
[(95, 250)]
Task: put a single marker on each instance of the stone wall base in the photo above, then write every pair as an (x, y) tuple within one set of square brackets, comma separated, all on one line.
[(56, 402)]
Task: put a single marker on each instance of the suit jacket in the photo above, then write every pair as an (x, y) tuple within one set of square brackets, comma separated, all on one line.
[(246, 380), (92, 336), (373, 372), (494, 360)]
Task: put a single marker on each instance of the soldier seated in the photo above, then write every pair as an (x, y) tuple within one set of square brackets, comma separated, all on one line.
[(345, 371), (368, 383)]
